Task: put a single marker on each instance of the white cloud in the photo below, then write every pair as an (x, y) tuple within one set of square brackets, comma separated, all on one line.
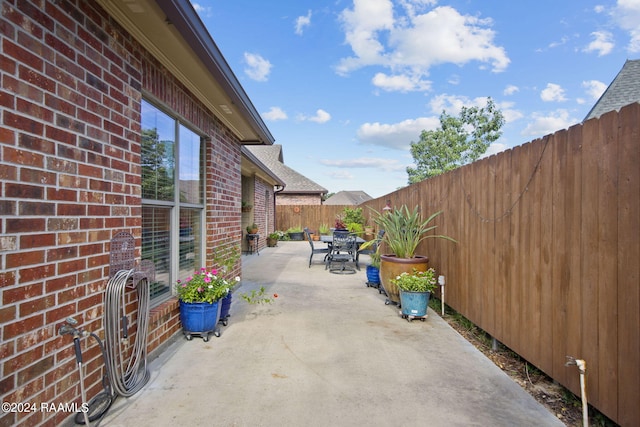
[(602, 43), (494, 148), (257, 68), (542, 125), (396, 135), (400, 83), (320, 117), (301, 22), (274, 114), (553, 92), (409, 43), (510, 90), (627, 15), (386, 165), (594, 88), (510, 115)]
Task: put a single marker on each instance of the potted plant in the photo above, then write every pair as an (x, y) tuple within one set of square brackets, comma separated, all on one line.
[(403, 232), (324, 229), (246, 207), (199, 297), (296, 233), (373, 270), (252, 228), (272, 239), (415, 289), (339, 224)]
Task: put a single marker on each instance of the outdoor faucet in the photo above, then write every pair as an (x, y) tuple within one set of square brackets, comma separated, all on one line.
[(69, 328)]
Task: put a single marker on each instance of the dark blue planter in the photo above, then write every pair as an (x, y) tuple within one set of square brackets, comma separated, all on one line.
[(373, 276), (199, 317), (226, 306), (414, 303)]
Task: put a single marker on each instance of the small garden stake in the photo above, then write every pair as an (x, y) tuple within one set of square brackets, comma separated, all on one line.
[(441, 283)]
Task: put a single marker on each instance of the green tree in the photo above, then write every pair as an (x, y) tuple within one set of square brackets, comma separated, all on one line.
[(157, 166), (458, 141)]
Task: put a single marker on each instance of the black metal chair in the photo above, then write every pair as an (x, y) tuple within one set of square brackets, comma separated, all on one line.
[(314, 250), (344, 250)]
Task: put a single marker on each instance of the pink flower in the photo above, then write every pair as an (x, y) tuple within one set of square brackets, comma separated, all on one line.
[(184, 285), (207, 279), (202, 269), (214, 271), (200, 289)]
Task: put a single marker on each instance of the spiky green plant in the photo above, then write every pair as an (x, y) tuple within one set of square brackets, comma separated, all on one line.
[(405, 229)]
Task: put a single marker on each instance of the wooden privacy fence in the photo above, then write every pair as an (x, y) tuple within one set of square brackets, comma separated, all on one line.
[(548, 252)]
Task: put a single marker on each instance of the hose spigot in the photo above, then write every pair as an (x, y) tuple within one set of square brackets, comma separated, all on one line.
[(68, 328)]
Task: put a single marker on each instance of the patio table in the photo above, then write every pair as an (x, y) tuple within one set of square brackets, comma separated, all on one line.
[(328, 239)]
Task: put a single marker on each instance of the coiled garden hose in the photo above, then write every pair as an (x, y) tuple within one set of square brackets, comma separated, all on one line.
[(127, 366)]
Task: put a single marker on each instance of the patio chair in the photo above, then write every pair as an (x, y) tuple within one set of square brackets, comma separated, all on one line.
[(344, 250), (315, 250)]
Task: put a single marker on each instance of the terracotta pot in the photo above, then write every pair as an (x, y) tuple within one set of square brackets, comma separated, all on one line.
[(392, 266)]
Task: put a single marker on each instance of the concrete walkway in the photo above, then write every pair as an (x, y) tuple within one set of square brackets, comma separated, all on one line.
[(326, 352)]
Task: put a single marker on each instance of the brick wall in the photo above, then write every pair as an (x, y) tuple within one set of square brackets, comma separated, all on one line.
[(71, 86)]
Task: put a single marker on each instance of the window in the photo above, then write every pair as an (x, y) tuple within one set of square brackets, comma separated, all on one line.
[(171, 159)]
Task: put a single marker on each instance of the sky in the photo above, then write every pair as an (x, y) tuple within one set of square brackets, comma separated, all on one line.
[(345, 86)]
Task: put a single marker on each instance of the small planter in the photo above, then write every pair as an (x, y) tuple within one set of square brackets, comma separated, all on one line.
[(414, 304), (296, 235), (272, 242), (373, 276), (225, 307), (200, 318)]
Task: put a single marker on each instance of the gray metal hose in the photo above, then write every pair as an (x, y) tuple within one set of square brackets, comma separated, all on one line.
[(128, 374)]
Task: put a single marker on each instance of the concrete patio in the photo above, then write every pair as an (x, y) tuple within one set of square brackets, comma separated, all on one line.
[(326, 352)]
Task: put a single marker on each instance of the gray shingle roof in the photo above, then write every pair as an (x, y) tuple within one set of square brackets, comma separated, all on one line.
[(348, 198), (624, 90), (271, 156)]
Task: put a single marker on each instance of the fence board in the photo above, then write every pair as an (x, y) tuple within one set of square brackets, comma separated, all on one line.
[(590, 253), (502, 244), (607, 261), (554, 272), (560, 273), (547, 308)]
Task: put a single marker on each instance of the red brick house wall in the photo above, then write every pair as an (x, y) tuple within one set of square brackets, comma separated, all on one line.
[(70, 179)]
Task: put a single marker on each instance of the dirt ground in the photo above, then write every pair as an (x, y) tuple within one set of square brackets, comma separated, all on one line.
[(560, 401)]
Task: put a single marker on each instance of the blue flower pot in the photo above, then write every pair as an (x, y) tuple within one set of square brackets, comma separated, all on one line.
[(373, 276), (199, 317), (414, 303), (225, 304)]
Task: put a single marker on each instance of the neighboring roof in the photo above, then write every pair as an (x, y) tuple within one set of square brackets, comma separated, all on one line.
[(251, 165), (173, 33), (624, 90), (348, 198), (271, 156)]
